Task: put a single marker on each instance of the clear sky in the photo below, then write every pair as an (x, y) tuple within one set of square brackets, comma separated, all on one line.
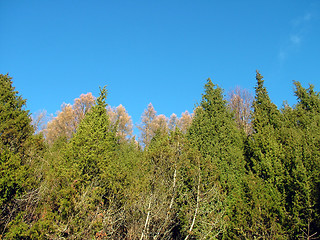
[(156, 51)]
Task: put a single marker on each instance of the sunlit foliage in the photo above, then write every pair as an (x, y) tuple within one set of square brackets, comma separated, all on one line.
[(233, 169)]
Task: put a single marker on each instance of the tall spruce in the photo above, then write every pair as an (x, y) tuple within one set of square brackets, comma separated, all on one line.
[(15, 121), (15, 132), (89, 170), (215, 135), (305, 192), (266, 193), (94, 142)]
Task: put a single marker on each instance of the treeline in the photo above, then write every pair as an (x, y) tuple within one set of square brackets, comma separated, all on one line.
[(230, 170)]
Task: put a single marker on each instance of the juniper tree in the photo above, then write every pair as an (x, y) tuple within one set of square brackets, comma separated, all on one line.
[(265, 159), (15, 127), (214, 134), (303, 148), (94, 142), (15, 134), (89, 172)]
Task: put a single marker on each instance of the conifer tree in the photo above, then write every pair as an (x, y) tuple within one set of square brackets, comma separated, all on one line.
[(15, 134), (302, 148), (214, 134), (265, 160), (89, 172), (15, 127), (266, 120), (94, 142)]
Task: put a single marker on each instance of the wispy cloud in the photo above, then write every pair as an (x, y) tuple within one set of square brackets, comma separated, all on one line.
[(296, 37), (302, 19)]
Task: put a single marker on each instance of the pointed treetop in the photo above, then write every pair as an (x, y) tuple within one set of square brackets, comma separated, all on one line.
[(213, 97), (307, 98), (261, 91), (259, 78), (15, 127), (264, 111), (101, 100)]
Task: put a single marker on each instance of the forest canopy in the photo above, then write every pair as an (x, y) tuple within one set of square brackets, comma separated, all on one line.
[(236, 168)]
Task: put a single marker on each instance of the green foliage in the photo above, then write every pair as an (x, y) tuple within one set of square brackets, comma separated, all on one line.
[(93, 143), (302, 148), (15, 127), (214, 134), (264, 111), (13, 176), (213, 182), (265, 157), (89, 180), (18, 150), (308, 99)]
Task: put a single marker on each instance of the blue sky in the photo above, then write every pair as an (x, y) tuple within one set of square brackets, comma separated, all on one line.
[(156, 51)]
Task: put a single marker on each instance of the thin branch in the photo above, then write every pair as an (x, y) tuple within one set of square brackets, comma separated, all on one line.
[(147, 219), (197, 207)]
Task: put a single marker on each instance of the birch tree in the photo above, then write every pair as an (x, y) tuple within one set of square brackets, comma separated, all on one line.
[(121, 122), (240, 102)]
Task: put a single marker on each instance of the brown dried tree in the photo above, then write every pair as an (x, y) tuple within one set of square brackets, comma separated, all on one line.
[(67, 120), (150, 124), (240, 102), (121, 121), (146, 125), (185, 121)]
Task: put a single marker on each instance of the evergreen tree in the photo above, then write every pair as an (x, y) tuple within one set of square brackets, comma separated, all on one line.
[(15, 127), (266, 149), (15, 147), (214, 134), (94, 142), (87, 173), (302, 148), (264, 155)]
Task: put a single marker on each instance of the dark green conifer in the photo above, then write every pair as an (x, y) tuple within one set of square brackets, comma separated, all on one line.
[(94, 142), (91, 177), (15, 127), (303, 149), (215, 135), (265, 159), (15, 132)]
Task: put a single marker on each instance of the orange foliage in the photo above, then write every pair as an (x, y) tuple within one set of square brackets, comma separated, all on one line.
[(67, 120)]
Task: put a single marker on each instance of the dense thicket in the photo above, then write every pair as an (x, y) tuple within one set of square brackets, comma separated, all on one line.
[(237, 169)]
